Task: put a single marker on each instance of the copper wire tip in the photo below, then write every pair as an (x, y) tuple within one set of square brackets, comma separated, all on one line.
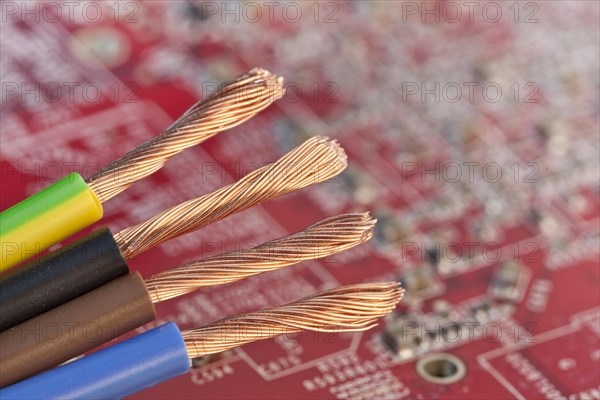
[(316, 160), (325, 238), (276, 82), (344, 309), (232, 104), (335, 146)]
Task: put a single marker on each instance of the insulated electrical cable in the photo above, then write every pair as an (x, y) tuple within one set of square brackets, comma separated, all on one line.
[(73, 203), (127, 302), (98, 258), (166, 351)]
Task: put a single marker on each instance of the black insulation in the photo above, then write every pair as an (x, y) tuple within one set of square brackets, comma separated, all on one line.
[(60, 276)]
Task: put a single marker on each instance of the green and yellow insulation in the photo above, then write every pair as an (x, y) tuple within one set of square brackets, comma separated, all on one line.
[(46, 218)]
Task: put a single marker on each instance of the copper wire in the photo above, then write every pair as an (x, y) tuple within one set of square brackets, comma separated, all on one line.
[(316, 160), (325, 238), (229, 106), (348, 308)]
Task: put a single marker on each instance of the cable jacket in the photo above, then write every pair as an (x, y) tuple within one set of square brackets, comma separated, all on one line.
[(117, 371), (46, 218), (60, 276), (74, 328)]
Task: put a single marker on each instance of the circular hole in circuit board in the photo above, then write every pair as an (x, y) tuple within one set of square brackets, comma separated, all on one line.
[(441, 368)]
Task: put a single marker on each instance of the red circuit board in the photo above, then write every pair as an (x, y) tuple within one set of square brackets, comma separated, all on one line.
[(472, 131)]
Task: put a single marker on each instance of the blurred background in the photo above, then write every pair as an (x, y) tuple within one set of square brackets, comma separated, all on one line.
[(472, 129)]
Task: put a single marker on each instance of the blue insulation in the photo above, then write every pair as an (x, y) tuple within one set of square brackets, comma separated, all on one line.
[(125, 368)]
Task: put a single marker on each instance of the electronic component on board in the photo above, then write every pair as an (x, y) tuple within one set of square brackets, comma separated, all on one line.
[(509, 281)]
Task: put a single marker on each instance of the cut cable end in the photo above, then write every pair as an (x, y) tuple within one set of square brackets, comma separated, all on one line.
[(342, 158), (333, 152), (273, 82)]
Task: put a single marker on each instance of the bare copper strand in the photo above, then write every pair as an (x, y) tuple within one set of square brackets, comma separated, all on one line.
[(327, 237), (316, 160), (345, 309), (229, 106)]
